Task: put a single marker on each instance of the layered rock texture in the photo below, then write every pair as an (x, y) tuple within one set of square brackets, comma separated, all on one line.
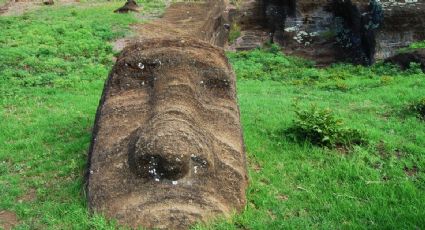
[(322, 30), (167, 148)]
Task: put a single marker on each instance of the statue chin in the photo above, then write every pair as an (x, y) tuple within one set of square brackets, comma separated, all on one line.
[(167, 147)]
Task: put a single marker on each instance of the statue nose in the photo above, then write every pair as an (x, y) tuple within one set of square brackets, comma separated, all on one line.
[(158, 160), (162, 166)]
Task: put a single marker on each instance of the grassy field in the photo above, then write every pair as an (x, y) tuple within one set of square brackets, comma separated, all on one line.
[(53, 64)]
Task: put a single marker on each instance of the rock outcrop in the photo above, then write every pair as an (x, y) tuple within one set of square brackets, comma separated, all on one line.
[(404, 60), (314, 31)]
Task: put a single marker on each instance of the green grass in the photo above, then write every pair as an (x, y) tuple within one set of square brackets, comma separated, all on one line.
[(414, 46), (53, 64), (296, 185)]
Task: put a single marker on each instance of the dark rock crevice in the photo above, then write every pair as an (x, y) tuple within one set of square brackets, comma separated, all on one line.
[(355, 29), (322, 30), (275, 13)]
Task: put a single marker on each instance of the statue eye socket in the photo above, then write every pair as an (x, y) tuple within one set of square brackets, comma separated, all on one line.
[(216, 83), (218, 87)]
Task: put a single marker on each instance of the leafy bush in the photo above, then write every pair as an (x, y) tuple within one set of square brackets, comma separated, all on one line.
[(321, 127), (418, 107)]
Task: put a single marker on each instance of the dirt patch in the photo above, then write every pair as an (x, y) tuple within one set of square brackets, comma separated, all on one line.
[(256, 166), (411, 171), (20, 7), (8, 220), (282, 197), (29, 196)]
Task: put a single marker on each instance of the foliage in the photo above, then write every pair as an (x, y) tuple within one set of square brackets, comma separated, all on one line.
[(265, 64), (418, 107), (235, 32), (321, 127), (412, 47)]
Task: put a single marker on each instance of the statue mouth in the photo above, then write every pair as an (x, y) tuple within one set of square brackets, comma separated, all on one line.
[(171, 207)]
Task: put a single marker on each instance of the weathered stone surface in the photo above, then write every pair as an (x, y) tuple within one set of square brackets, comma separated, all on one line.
[(404, 23), (130, 5), (167, 146), (311, 32), (201, 20)]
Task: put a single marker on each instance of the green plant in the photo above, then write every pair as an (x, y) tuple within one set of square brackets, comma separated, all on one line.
[(235, 32), (418, 107), (321, 127), (386, 80), (413, 46)]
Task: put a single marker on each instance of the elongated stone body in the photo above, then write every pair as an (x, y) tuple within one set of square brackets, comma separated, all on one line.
[(167, 148)]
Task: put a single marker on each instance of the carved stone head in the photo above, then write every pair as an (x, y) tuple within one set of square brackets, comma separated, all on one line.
[(167, 147)]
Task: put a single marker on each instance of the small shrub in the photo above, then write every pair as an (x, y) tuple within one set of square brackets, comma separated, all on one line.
[(235, 32), (418, 107), (321, 127), (386, 80)]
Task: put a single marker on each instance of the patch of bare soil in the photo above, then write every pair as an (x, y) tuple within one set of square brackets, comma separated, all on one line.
[(413, 171), (19, 7), (31, 195), (8, 220)]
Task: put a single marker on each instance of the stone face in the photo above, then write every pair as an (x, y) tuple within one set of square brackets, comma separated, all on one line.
[(167, 148)]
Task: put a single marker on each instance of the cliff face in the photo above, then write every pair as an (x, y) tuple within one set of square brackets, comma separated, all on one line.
[(314, 32), (404, 23)]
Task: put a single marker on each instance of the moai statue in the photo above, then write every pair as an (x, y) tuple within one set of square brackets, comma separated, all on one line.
[(167, 148), (130, 5), (48, 2)]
